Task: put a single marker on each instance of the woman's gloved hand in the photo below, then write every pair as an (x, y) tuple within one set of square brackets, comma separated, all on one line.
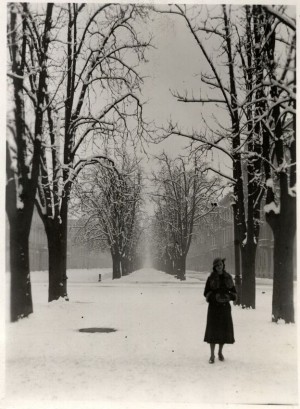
[(222, 297)]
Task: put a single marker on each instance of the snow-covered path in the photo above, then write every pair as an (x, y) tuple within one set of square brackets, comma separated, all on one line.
[(146, 346)]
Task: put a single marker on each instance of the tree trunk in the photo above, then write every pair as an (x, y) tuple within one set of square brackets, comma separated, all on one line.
[(169, 265), (180, 267), (116, 261), (19, 229), (20, 287), (237, 256), (124, 266), (283, 281), (131, 265), (55, 289), (248, 253), (57, 268), (62, 238), (283, 225)]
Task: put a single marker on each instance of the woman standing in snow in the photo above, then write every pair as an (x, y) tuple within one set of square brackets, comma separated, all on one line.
[(219, 290)]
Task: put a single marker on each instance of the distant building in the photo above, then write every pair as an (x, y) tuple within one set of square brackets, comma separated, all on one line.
[(216, 239), (78, 256)]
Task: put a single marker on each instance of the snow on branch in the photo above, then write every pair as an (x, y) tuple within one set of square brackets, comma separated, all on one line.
[(221, 174), (106, 110), (292, 191), (100, 159), (272, 207), (283, 18), (198, 138)]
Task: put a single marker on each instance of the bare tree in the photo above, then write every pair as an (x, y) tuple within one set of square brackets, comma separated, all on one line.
[(132, 222), (228, 140), (23, 150), (109, 203), (100, 79), (279, 123), (269, 65), (184, 196)]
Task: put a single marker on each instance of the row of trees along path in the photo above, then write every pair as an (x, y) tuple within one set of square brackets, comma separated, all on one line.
[(255, 79), (74, 84), (63, 59)]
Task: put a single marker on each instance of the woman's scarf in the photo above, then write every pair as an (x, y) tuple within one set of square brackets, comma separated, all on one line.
[(215, 280)]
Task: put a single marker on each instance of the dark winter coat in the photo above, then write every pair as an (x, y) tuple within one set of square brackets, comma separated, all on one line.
[(219, 290)]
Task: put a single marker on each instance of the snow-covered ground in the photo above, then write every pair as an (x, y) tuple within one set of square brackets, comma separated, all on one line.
[(146, 348)]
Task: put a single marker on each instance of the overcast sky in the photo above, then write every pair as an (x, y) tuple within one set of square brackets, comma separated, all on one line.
[(174, 64)]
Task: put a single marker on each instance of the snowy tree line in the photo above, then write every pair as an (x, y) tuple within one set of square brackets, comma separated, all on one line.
[(74, 97), (72, 73), (252, 74), (108, 205)]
